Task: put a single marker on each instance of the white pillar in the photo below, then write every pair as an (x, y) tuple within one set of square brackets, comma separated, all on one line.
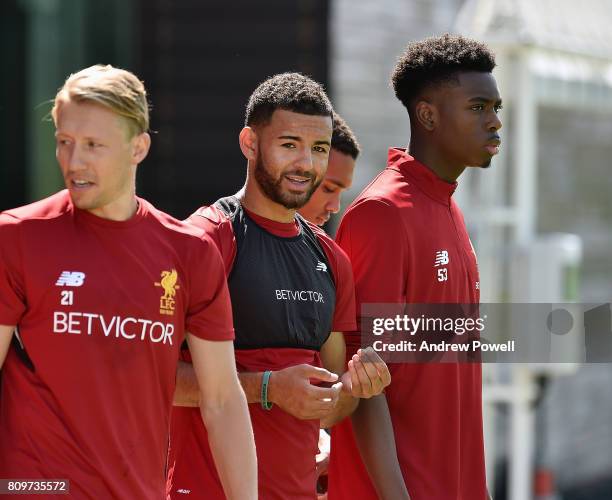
[(525, 148), (522, 435)]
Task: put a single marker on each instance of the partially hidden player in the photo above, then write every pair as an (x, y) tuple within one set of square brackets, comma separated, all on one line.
[(408, 244), (101, 288), (325, 201)]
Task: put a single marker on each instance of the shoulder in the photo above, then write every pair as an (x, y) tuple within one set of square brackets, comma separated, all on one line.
[(189, 240), (170, 225), (371, 221), (216, 225), (332, 249), (47, 209), (371, 209), (209, 218), (323, 238), (30, 216)]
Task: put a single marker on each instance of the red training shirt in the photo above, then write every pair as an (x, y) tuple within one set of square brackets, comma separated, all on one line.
[(286, 446), (101, 308), (407, 242)]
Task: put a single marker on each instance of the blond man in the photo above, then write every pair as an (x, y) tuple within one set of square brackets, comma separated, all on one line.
[(100, 289)]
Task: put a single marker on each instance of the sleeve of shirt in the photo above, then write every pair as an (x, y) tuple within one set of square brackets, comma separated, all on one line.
[(12, 292), (344, 308), (219, 228), (209, 315), (371, 237), (344, 311)]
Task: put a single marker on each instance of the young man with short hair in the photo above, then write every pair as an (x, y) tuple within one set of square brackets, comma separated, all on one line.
[(325, 201), (292, 296), (100, 289), (407, 242)]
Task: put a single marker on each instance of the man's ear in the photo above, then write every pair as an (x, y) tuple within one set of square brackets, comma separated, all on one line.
[(248, 143), (426, 115), (142, 143)]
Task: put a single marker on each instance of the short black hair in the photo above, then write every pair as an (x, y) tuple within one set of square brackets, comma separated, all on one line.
[(437, 60), (289, 91), (343, 138)]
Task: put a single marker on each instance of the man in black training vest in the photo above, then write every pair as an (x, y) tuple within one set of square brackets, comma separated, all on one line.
[(292, 296)]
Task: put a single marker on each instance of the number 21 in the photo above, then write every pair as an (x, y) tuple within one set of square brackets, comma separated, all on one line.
[(67, 297)]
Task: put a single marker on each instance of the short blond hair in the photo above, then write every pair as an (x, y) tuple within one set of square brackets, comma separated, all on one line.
[(116, 89)]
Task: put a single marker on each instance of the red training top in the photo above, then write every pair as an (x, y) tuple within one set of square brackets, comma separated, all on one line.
[(407, 243), (101, 307), (286, 446)]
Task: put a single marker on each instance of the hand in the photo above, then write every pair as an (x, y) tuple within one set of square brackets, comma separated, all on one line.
[(367, 374), (291, 390), (322, 461), (322, 458)]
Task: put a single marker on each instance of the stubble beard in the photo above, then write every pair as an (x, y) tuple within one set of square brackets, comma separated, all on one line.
[(272, 187)]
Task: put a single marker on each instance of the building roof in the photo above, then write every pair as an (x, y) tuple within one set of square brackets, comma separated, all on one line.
[(577, 27)]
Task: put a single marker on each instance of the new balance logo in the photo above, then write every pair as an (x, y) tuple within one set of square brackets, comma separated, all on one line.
[(441, 258), (70, 278), (321, 267)]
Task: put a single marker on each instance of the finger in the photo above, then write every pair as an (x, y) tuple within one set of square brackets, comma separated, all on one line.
[(347, 384), (364, 380), (369, 364), (381, 366), (356, 389), (316, 393), (368, 359), (323, 465), (317, 409), (385, 375), (316, 373)]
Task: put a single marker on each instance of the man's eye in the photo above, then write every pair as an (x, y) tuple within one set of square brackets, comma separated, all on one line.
[(477, 107), (288, 145), (329, 190), (320, 149), (498, 108)]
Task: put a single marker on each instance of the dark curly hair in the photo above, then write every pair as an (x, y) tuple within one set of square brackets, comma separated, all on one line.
[(289, 91), (343, 138), (437, 60)]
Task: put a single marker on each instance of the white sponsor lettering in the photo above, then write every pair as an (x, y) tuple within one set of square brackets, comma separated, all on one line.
[(321, 267), (300, 295), (78, 323), (122, 328)]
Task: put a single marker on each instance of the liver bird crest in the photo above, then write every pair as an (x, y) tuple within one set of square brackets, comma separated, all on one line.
[(168, 283)]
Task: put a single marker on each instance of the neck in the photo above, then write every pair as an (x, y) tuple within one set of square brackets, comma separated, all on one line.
[(119, 210), (433, 158), (255, 200)]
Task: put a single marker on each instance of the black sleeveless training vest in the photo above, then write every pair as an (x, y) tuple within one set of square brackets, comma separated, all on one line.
[(282, 289)]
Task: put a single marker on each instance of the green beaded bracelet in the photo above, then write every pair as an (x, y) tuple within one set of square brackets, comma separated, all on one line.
[(265, 381)]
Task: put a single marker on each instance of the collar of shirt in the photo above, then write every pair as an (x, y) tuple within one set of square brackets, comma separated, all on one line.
[(142, 209), (282, 229), (419, 174)]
